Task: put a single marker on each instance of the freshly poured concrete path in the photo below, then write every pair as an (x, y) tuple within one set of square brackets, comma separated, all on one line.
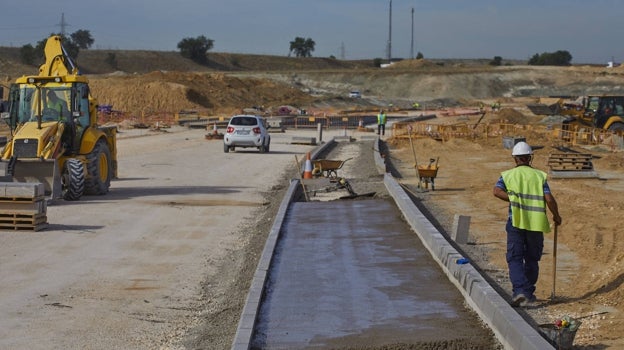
[(353, 273)]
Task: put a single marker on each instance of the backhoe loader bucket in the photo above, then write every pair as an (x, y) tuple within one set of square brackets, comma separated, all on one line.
[(45, 172)]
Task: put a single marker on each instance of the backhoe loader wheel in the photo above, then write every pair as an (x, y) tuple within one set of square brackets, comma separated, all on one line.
[(617, 126), (73, 180), (99, 169)]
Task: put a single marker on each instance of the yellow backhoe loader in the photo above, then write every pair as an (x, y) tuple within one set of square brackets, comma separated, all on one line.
[(55, 139), (604, 112)]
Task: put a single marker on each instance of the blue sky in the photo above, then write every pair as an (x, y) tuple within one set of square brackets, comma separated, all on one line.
[(591, 31)]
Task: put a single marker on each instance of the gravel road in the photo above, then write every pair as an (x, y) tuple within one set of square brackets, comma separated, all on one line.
[(162, 261)]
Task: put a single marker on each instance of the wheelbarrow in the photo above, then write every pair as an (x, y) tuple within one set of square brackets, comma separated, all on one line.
[(327, 168), (427, 174)]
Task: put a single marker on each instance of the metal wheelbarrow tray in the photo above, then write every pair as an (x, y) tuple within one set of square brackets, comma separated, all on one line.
[(327, 168)]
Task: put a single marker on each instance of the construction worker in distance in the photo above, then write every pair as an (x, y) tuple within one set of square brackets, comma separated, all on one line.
[(381, 123), (528, 194), (56, 108)]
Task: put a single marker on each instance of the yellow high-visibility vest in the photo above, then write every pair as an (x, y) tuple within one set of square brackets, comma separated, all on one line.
[(525, 187), (381, 118)]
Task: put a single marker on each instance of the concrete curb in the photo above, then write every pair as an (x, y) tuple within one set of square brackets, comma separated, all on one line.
[(247, 321), (508, 326)]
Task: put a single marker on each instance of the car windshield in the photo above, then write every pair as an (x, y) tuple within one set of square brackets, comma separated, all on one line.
[(244, 121)]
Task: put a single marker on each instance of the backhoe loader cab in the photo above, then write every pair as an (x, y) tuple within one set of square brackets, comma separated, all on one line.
[(55, 139), (603, 112), (607, 112)]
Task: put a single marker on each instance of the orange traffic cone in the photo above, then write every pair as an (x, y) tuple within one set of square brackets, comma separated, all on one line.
[(307, 173)]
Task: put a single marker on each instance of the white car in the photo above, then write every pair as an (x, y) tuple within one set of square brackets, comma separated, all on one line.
[(355, 94), (247, 131)]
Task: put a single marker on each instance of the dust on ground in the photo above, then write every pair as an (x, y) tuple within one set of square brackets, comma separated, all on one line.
[(590, 249)]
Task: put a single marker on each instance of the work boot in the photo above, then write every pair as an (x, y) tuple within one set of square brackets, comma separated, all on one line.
[(518, 300)]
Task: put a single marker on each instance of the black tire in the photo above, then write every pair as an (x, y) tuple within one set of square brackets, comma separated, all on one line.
[(617, 126), (72, 180), (264, 148), (226, 148), (99, 169)]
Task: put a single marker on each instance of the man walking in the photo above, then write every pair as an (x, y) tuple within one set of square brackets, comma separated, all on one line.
[(528, 194), (381, 123)]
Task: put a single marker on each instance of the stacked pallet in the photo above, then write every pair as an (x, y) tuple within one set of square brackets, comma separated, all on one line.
[(23, 206), (571, 165)]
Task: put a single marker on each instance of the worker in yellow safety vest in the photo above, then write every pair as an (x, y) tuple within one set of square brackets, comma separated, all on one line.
[(55, 108), (381, 122), (528, 194)]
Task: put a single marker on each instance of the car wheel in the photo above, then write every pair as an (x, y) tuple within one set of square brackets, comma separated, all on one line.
[(226, 148), (262, 148)]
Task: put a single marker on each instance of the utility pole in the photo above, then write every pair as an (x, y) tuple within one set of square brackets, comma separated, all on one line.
[(412, 44), (390, 34), (63, 24)]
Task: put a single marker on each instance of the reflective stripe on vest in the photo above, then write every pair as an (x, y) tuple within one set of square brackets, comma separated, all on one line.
[(525, 187)]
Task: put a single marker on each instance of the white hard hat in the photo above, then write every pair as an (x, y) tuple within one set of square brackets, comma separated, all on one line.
[(521, 149)]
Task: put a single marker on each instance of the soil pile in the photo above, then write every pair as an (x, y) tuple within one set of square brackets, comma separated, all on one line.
[(172, 92)]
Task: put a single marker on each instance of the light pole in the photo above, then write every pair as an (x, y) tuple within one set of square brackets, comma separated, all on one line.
[(390, 34), (412, 43)]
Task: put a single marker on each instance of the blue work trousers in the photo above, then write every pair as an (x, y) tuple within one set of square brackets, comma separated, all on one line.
[(524, 251)]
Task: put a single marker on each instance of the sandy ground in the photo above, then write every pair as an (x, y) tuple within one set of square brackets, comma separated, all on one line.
[(590, 241), (166, 257), (165, 250)]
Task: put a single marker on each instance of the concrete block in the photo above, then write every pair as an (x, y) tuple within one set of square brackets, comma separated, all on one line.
[(461, 227), (22, 190), (509, 141)]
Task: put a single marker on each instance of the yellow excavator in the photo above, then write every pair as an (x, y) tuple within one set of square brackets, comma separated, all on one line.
[(54, 136)]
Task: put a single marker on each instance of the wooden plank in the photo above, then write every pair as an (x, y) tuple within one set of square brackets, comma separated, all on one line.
[(22, 219), (571, 161), (20, 227), (20, 207)]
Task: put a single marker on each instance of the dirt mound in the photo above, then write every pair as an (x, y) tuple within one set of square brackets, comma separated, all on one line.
[(513, 116), (209, 93)]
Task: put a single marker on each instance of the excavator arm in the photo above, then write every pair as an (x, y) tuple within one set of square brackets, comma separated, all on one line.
[(58, 62)]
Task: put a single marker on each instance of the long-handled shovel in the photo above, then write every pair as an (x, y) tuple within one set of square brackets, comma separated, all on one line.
[(554, 264)]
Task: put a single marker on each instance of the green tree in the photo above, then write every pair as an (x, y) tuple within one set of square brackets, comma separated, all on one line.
[(496, 61), (195, 48), (28, 54), (302, 47), (111, 59), (419, 56), (377, 62), (82, 38), (557, 58)]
